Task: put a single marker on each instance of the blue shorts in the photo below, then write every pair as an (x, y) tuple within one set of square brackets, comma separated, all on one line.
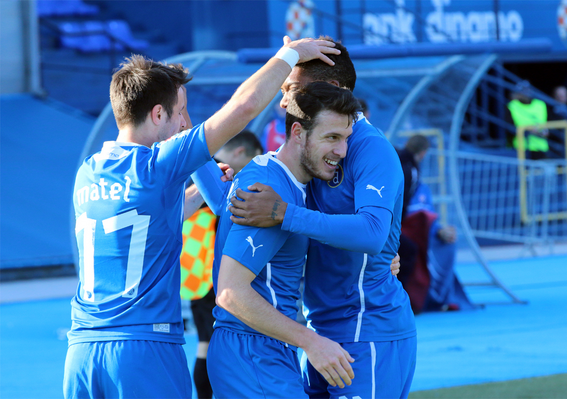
[(252, 366), (126, 369), (381, 370)]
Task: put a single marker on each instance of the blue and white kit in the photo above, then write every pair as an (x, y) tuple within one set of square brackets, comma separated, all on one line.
[(127, 329), (128, 202), (350, 295), (277, 259)]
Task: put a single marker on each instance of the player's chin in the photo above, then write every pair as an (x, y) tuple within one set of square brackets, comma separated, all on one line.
[(325, 175)]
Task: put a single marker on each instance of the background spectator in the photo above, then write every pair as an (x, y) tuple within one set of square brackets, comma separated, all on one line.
[(525, 110), (427, 248)]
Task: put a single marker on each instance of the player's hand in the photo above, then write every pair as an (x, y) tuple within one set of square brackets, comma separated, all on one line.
[(261, 208), (395, 265), (331, 361), (447, 234), (310, 49), (228, 172)]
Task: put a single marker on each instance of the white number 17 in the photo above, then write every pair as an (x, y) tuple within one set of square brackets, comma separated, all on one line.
[(140, 224)]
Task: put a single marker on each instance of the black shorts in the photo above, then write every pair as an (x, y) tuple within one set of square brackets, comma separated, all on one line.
[(203, 315)]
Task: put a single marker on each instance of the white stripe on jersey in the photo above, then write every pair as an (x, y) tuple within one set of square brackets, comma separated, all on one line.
[(362, 303), (263, 160), (373, 354), (269, 284)]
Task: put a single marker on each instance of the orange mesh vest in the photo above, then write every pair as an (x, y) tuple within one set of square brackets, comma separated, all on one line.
[(197, 254)]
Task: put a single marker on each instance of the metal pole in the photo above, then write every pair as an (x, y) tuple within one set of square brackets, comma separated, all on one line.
[(496, 10), (338, 11)]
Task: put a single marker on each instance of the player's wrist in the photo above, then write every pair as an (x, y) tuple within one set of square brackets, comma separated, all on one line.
[(289, 55), (282, 207)]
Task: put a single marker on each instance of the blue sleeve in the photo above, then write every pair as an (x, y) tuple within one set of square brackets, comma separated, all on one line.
[(254, 247), (378, 180), (182, 154), (371, 224), (212, 188)]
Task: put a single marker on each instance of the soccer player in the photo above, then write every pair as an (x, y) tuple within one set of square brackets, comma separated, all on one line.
[(354, 221), (257, 271), (126, 334)]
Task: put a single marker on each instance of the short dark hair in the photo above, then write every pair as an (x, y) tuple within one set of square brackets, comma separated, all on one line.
[(247, 139), (306, 104), (343, 71), (140, 84), (417, 144), (363, 105)]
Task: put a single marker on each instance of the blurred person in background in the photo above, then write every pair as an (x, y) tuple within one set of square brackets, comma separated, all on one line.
[(557, 112), (273, 135), (427, 248), (525, 110)]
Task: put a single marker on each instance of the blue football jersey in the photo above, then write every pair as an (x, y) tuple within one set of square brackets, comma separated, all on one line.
[(128, 202), (352, 296), (276, 257)]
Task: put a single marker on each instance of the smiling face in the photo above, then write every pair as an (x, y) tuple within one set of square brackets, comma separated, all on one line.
[(325, 145), (176, 122)]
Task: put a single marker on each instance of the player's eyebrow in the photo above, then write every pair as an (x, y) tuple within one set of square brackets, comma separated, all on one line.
[(288, 84)]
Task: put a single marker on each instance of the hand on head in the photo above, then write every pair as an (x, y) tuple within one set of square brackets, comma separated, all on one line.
[(310, 49)]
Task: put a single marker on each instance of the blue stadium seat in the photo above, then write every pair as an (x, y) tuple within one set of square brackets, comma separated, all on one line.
[(87, 37), (96, 36), (62, 8), (120, 30), (72, 35), (97, 39)]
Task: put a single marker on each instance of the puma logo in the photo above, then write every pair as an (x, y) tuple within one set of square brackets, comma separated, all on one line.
[(371, 187), (249, 239)]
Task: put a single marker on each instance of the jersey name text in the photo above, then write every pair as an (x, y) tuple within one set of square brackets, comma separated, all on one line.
[(103, 190)]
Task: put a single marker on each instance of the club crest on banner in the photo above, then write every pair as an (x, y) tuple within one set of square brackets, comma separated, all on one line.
[(299, 20), (562, 20)]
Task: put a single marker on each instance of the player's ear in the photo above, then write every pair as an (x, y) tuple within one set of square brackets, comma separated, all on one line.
[(297, 132), (158, 114), (238, 151)]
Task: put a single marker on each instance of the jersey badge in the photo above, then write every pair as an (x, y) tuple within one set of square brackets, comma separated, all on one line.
[(338, 178)]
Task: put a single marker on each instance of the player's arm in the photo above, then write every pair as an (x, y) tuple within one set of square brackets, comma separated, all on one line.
[(236, 295), (266, 208), (213, 182), (257, 91), (193, 201)]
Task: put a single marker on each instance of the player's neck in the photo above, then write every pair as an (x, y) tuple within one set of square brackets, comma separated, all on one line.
[(291, 158), (139, 135)]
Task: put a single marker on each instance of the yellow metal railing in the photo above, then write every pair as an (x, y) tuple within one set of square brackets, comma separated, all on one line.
[(440, 179), (522, 168)]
